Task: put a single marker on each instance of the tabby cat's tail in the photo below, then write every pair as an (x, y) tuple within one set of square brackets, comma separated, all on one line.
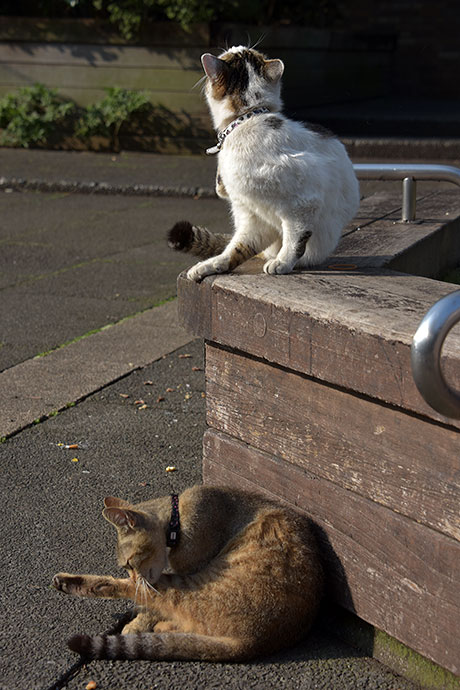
[(194, 239), (167, 646)]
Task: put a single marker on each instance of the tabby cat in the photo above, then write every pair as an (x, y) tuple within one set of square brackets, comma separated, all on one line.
[(292, 188), (217, 573)]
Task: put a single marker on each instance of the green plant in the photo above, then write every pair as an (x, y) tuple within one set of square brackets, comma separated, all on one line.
[(31, 115), (108, 116), (128, 15)]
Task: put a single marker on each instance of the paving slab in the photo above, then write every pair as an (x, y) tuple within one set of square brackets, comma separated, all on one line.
[(71, 263), (43, 385), (127, 169)]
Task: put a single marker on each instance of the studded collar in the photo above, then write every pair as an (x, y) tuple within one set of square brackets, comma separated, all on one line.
[(223, 134)]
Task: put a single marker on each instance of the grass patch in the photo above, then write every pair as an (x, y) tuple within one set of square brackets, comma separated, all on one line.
[(103, 328)]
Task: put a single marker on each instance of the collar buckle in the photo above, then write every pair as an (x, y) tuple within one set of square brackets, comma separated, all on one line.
[(173, 531)]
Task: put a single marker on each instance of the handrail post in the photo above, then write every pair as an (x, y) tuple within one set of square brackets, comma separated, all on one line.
[(409, 173), (409, 199)]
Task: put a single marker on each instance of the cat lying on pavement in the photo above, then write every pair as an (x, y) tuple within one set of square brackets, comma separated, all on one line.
[(218, 574)]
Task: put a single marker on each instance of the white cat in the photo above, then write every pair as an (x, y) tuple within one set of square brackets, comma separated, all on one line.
[(292, 187)]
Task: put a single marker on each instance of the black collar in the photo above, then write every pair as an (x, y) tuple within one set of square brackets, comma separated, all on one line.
[(173, 531)]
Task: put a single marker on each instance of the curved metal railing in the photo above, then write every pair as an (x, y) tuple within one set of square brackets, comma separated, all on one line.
[(426, 351), (409, 173)]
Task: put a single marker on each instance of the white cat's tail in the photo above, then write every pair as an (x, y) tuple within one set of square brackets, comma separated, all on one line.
[(167, 646), (194, 239)]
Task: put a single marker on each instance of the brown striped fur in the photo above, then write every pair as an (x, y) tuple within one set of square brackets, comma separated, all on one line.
[(245, 578), (196, 240)]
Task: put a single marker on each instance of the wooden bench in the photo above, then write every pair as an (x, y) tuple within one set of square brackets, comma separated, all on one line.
[(310, 398)]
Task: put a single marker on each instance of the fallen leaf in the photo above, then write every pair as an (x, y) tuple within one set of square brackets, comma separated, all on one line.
[(171, 468), (123, 395), (160, 398), (185, 356), (187, 396), (170, 390), (72, 446), (92, 685), (203, 395), (74, 460), (197, 368), (148, 383), (142, 407), (138, 402)]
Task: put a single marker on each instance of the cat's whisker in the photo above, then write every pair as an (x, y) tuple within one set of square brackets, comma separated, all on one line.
[(136, 593), (144, 593), (150, 586), (259, 40), (199, 82)]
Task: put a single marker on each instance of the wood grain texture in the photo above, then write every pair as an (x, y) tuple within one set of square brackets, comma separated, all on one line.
[(396, 574), (97, 56), (109, 75), (351, 330), (397, 460)]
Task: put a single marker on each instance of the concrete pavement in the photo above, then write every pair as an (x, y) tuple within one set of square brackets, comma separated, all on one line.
[(81, 281)]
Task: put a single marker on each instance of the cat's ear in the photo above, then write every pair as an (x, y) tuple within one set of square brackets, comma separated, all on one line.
[(213, 66), (274, 69), (122, 518), (112, 502)]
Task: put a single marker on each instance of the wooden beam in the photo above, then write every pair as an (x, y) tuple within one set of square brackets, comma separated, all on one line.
[(394, 459)]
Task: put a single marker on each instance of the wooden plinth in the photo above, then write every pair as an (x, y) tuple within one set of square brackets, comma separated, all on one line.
[(310, 398)]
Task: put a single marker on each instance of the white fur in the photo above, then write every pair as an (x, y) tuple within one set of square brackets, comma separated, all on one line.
[(281, 182)]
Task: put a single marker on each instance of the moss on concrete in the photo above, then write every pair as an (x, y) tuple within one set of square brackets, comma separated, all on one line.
[(412, 665), (386, 649)]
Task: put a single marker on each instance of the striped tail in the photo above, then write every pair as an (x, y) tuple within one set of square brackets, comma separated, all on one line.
[(194, 239), (168, 646)]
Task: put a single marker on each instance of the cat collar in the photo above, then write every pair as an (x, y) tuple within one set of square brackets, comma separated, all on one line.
[(221, 136), (173, 531)]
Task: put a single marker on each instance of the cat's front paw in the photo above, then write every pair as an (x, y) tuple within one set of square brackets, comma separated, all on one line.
[(69, 584), (91, 585), (276, 267), (207, 268)]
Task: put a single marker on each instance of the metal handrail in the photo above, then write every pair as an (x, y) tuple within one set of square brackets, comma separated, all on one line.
[(426, 351), (409, 173)]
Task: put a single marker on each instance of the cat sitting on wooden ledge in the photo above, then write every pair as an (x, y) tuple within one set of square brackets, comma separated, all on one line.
[(218, 574), (291, 187)]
